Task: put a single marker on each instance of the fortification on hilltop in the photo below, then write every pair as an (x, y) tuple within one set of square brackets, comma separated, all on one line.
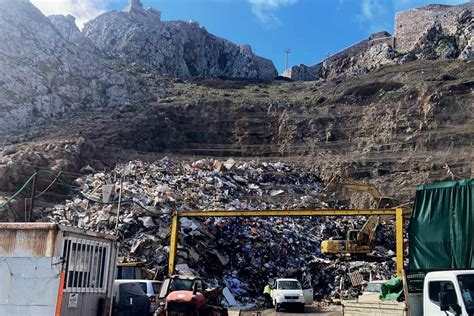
[(136, 6), (411, 24), (429, 32)]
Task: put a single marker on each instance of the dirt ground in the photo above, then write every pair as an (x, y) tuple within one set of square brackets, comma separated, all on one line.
[(313, 310)]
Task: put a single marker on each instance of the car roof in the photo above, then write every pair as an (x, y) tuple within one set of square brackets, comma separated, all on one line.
[(450, 272), (287, 280), (136, 281)]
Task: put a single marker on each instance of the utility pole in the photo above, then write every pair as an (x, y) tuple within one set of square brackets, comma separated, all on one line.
[(33, 193), (119, 204), (287, 52)]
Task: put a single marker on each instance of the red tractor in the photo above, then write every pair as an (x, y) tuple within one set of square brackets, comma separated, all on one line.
[(185, 296)]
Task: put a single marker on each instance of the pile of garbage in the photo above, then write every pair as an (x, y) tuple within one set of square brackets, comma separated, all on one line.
[(241, 254)]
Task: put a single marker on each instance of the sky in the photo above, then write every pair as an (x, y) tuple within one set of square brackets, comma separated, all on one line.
[(310, 29)]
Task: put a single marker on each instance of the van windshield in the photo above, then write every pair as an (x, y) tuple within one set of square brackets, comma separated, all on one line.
[(466, 283), (289, 285)]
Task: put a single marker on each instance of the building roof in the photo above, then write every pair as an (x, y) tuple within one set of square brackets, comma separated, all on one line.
[(54, 226)]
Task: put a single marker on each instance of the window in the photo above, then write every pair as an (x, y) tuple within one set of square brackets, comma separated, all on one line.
[(466, 283), (143, 286), (185, 285), (289, 285), (156, 287), (87, 264), (129, 273), (435, 287)]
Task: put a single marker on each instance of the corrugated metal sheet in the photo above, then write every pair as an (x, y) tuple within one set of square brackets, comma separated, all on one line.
[(27, 243), (31, 248), (29, 286), (39, 239), (52, 226)]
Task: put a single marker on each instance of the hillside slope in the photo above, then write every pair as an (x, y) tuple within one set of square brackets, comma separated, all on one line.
[(395, 127)]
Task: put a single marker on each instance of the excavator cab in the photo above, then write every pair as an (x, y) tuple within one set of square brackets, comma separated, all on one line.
[(352, 234), (387, 202)]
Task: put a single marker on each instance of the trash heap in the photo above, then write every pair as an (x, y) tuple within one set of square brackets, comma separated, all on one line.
[(239, 253)]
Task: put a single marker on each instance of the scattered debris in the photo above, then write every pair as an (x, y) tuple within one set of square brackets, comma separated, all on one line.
[(240, 254)]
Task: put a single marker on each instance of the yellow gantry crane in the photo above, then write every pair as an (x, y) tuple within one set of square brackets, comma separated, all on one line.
[(398, 213)]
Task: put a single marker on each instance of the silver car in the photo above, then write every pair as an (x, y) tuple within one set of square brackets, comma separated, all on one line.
[(152, 290)]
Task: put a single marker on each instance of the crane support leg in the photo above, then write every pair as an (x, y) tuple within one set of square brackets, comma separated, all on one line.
[(399, 240), (173, 244)]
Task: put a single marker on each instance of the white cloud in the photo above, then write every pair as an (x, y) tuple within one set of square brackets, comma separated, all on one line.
[(265, 10), (82, 10), (371, 9), (374, 15)]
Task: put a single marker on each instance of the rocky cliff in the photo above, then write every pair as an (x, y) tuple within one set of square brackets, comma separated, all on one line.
[(49, 68), (176, 49), (428, 33)]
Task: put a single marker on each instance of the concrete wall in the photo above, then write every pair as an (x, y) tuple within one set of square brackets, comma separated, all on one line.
[(303, 72), (410, 25), (353, 308)]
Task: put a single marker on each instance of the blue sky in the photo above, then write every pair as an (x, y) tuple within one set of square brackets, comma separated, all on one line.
[(310, 28)]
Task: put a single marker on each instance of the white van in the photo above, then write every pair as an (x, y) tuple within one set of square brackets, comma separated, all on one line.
[(288, 293)]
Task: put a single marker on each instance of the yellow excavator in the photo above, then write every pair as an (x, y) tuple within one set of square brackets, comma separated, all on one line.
[(359, 241)]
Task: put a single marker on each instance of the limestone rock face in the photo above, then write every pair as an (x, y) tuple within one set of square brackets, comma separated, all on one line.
[(49, 68), (40, 68), (440, 42), (66, 26), (176, 49)]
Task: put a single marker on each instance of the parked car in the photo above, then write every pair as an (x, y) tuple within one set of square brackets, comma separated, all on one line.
[(150, 287), (129, 299), (371, 292), (288, 293)]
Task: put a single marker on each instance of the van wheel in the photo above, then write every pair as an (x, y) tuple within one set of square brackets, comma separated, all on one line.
[(277, 307)]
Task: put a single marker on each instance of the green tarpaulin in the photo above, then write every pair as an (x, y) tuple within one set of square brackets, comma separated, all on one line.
[(441, 230), (392, 290)]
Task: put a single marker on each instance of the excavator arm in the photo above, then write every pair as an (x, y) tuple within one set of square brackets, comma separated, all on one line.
[(367, 233), (380, 200)]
